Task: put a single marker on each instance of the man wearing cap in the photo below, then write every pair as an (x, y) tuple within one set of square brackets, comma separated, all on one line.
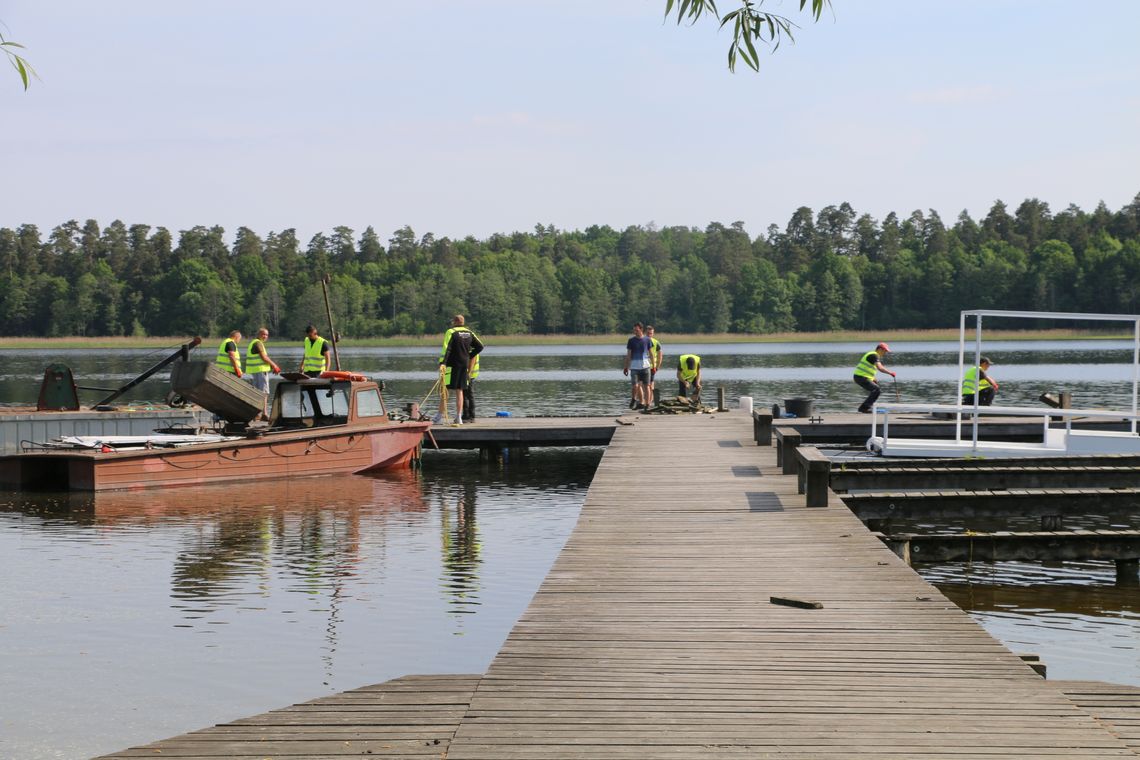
[(977, 381), (871, 363)]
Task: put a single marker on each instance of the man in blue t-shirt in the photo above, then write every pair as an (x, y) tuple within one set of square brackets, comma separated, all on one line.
[(638, 362)]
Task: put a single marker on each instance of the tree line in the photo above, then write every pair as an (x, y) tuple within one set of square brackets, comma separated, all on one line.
[(828, 270)]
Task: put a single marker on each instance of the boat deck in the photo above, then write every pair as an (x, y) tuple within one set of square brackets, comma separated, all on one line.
[(700, 609)]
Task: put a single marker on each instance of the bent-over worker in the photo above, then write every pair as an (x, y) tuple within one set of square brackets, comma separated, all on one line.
[(318, 356), (977, 381), (870, 364), (228, 354), (689, 375)]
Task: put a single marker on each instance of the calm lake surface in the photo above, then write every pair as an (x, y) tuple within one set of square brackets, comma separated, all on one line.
[(127, 618)]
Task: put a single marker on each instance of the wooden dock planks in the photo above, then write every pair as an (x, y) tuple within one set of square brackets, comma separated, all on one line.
[(1115, 706), (653, 635), (410, 717)]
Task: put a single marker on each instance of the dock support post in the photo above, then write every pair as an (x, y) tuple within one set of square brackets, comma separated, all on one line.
[(762, 428), (789, 442), (818, 483), (814, 475), (900, 546), (1127, 572), (720, 405)]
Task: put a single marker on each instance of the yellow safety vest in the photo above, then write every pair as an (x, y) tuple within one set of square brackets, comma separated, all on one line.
[(689, 375), (314, 359), (253, 361), (970, 382), (654, 348), (867, 365), (223, 357)]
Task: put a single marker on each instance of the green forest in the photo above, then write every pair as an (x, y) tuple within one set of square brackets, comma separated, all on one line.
[(828, 270)]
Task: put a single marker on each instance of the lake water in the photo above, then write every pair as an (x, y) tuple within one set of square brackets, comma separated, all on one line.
[(131, 617)]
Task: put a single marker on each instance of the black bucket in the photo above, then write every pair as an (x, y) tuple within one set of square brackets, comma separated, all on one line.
[(801, 407)]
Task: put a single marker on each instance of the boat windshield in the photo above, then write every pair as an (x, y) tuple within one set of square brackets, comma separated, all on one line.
[(311, 405)]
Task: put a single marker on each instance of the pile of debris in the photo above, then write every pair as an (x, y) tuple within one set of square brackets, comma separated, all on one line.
[(680, 405)]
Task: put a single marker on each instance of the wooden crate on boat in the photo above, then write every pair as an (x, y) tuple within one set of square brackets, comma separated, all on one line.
[(211, 387)]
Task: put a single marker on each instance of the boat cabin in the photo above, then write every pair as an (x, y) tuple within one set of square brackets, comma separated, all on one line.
[(321, 402)]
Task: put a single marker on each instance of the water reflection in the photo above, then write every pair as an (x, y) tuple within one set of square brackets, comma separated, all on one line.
[(461, 552), (1073, 614)]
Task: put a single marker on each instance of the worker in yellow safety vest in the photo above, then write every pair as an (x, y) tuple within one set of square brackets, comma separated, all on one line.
[(656, 357), (228, 358), (870, 364), (457, 359), (469, 390), (689, 375), (978, 382), (258, 365), (318, 354)]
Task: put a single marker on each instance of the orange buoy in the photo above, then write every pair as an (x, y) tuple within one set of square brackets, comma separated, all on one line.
[(339, 375)]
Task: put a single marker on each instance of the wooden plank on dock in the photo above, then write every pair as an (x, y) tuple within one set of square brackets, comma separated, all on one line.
[(653, 634)]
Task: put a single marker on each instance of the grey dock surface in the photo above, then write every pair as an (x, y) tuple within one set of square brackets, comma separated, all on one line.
[(655, 636)]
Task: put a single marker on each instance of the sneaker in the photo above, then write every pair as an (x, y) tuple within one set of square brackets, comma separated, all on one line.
[(457, 423), (632, 403), (438, 418), (864, 411)]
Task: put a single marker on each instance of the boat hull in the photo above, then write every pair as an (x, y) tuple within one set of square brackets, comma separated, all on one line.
[(325, 451)]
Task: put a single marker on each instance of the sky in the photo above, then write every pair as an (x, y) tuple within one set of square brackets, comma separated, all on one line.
[(470, 117)]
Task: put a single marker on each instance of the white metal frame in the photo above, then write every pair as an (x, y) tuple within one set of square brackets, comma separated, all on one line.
[(978, 410)]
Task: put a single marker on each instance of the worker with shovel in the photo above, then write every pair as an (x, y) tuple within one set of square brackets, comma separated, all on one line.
[(870, 364)]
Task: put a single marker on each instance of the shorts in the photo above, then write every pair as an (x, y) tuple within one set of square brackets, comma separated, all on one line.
[(637, 376), (260, 381), (458, 379)]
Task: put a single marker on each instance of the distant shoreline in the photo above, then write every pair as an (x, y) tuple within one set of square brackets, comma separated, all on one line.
[(404, 341)]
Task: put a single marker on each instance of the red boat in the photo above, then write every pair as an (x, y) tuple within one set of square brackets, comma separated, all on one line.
[(318, 426)]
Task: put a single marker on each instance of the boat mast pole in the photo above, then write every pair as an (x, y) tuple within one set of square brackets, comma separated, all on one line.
[(182, 353), (328, 311), (977, 380)]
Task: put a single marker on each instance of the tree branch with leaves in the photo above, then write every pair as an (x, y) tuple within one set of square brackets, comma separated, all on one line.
[(23, 68), (750, 25)]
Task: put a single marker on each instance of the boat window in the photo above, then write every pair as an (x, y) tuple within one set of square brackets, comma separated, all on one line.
[(294, 403), (368, 403), (333, 401)]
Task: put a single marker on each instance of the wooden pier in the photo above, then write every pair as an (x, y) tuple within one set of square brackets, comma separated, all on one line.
[(701, 609)]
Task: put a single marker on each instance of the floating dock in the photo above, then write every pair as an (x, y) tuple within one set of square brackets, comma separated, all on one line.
[(701, 609)]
